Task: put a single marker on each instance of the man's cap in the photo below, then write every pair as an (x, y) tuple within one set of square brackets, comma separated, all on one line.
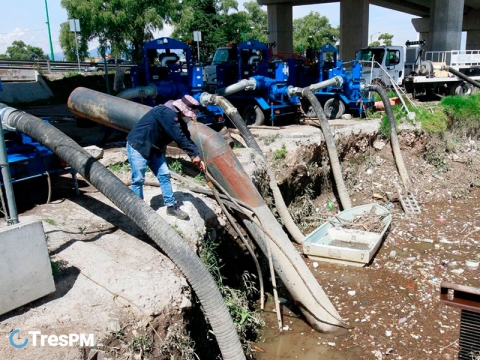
[(188, 106)]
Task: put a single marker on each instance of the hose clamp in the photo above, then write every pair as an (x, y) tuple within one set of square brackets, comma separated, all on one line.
[(4, 115)]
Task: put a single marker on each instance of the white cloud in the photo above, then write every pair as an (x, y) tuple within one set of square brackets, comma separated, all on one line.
[(33, 37), (165, 32)]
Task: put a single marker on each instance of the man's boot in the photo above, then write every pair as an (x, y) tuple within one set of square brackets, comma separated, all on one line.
[(175, 211)]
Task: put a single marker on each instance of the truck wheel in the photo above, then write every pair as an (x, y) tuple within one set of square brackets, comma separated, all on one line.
[(253, 115), (334, 108), (307, 109), (458, 89)]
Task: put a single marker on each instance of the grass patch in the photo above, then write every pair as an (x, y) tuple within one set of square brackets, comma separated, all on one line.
[(176, 167), (280, 153), (434, 121), (58, 267), (50, 221), (463, 113), (390, 94), (141, 345), (247, 322), (200, 178), (120, 167), (398, 113)]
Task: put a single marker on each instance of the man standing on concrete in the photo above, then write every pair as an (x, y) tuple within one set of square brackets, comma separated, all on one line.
[(147, 142)]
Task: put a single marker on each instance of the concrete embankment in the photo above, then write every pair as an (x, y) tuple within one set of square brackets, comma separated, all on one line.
[(21, 86)]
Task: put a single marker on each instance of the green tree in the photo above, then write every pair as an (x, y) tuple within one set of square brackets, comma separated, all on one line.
[(250, 23), (258, 21), (313, 30), (21, 51), (386, 39), (220, 23), (67, 42), (383, 40), (121, 25), (206, 16)]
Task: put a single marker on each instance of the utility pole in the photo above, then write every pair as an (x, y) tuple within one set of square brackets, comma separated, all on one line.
[(197, 36), (74, 27), (371, 36), (52, 57)]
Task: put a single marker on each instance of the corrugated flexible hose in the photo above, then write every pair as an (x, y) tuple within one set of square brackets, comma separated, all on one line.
[(143, 215)]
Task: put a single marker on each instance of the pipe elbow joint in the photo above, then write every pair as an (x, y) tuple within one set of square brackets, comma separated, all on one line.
[(339, 80), (5, 117), (151, 91), (206, 98), (293, 91), (252, 84)]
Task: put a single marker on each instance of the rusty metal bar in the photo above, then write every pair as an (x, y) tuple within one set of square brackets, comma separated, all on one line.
[(460, 296)]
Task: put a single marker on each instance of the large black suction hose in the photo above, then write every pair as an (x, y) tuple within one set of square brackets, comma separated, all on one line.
[(397, 153), (143, 215), (237, 120), (460, 75), (331, 148)]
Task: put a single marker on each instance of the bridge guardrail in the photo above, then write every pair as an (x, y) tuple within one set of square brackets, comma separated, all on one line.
[(13, 67)]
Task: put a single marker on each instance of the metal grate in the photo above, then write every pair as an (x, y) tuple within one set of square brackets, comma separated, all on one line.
[(469, 340), (468, 299)]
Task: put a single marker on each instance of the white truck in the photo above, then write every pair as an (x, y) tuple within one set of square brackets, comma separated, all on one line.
[(421, 73)]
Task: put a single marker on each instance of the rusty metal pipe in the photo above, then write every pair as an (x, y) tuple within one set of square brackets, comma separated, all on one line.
[(235, 117)]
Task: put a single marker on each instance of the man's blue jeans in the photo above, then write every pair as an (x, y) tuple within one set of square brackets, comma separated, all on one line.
[(158, 164)]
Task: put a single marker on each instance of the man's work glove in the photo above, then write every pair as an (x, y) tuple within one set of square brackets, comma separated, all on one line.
[(199, 163)]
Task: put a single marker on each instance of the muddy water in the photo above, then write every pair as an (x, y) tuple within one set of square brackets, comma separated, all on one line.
[(297, 339), (300, 341), (446, 231)]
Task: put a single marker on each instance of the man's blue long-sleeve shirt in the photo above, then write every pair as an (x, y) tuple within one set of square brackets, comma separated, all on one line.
[(156, 129)]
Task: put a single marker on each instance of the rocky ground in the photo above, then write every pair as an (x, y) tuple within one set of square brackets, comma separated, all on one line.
[(391, 306)]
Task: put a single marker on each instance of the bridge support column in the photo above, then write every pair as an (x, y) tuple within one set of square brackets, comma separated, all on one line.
[(471, 24), (353, 27), (445, 25), (280, 27)]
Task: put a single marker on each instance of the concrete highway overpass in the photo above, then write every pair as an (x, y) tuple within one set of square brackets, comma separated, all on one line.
[(440, 22)]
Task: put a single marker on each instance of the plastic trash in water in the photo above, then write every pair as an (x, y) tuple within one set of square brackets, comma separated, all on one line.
[(388, 206)]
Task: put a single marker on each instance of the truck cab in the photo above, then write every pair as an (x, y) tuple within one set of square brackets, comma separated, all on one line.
[(382, 64), (223, 55)]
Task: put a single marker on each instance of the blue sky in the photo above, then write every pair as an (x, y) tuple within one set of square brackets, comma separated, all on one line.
[(26, 20)]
